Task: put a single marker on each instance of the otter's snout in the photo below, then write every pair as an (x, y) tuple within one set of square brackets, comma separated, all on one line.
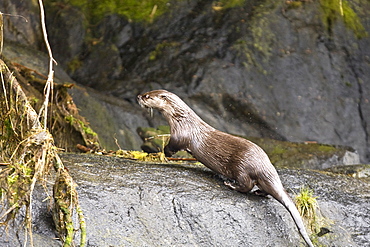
[(141, 100)]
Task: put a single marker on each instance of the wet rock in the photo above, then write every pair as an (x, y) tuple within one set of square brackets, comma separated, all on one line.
[(128, 203)]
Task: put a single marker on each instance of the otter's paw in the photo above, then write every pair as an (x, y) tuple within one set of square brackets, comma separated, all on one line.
[(260, 193), (231, 184)]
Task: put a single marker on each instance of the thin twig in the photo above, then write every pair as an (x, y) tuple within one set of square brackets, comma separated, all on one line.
[(49, 83), (3, 82), (9, 210), (1, 32)]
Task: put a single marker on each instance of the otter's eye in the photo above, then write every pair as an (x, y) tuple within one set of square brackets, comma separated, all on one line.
[(146, 96), (163, 96)]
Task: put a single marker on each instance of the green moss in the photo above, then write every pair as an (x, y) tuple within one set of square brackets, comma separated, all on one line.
[(8, 128), (334, 10), (348, 84), (255, 47), (74, 64), (12, 178), (297, 155), (160, 48), (72, 120), (154, 139), (86, 129), (143, 10), (165, 129), (294, 4), (326, 149), (278, 150), (226, 4)]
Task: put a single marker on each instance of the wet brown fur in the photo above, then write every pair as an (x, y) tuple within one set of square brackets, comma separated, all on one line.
[(244, 163)]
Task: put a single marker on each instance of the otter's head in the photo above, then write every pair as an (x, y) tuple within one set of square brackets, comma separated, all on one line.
[(168, 103), (156, 99)]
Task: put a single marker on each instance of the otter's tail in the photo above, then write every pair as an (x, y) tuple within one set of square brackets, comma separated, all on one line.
[(289, 205)]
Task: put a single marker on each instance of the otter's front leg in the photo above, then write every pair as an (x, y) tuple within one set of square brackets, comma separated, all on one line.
[(172, 147), (168, 151)]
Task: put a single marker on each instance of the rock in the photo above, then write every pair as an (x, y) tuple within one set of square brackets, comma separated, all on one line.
[(111, 118), (101, 77), (282, 153), (266, 69), (356, 171), (128, 203), (306, 155), (74, 34), (116, 120), (154, 140), (22, 23)]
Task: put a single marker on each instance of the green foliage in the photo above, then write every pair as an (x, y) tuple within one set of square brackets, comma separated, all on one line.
[(307, 204), (334, 10), (143, 10)]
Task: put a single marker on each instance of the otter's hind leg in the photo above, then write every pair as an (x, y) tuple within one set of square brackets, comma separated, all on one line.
[(242, 184)]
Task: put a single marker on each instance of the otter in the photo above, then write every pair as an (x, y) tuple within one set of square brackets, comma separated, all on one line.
[(242, 162)]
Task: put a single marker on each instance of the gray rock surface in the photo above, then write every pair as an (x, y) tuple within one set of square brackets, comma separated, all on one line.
[(128, 203), (265, 69)]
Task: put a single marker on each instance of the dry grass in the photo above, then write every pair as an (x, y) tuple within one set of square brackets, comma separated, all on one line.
[(28, 156)]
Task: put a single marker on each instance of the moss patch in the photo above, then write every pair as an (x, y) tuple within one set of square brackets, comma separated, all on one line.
[(143, 10), (298, 155), (154, 139), (159, 49), (334, 10), (255, 47), (226, 4)]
